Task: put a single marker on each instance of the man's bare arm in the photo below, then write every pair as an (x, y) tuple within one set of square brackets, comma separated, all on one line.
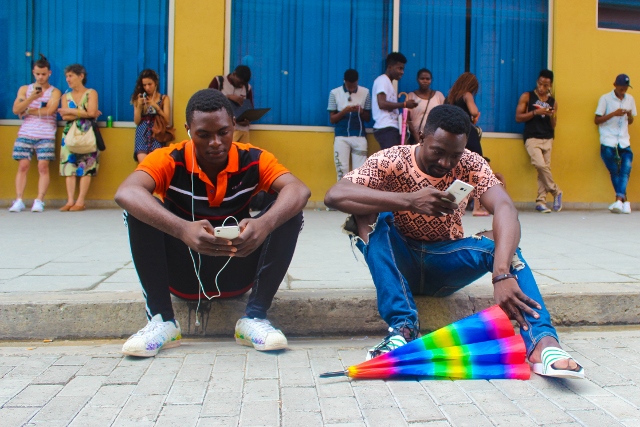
[(360, 200)]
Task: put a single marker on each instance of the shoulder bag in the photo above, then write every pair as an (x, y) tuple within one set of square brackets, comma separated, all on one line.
[(80, 142), (161, 130)]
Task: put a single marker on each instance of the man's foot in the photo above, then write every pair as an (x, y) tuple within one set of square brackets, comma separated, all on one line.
[(158, 334), (626, 208), (552, 358), (396, 338), (617, 207), (557, 202), (549, 359), (542, 208), (17, 206), (259, 334), (38, 206)]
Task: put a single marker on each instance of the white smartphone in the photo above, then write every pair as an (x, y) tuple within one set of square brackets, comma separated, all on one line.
[(460, 190), (227, 232)]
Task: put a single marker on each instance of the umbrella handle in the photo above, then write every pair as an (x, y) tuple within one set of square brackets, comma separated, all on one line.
[(403, 94), (334, 374)]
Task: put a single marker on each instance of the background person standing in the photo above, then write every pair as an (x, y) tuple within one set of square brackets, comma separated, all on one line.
[(385, 102), (147, 103), (614, 114), (537, 110), (349, 109), (36, 104)]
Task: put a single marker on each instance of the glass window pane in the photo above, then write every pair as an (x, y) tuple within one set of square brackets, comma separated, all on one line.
[(298, 51)]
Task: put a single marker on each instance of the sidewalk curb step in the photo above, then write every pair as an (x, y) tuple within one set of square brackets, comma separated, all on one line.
[(297, 313)]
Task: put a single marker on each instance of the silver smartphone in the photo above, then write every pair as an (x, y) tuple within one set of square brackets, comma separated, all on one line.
[(460, 190)]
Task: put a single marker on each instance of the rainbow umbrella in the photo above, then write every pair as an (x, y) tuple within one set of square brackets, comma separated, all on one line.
[(480, 346)]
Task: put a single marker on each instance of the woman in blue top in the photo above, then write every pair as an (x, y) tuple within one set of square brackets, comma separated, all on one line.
[(147, 102)]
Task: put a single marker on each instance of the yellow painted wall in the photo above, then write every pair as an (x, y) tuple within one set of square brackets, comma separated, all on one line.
[(585, 62)]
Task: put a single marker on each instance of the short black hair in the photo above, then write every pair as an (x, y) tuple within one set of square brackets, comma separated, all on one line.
[(243, 73), (449, 118), (77, 69), (547, 74), (41, 62), (394, 57), (424, 70), (207, 100), (351, 75)]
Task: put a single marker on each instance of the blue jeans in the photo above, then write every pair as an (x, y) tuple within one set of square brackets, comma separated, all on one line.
[(401, 267), (619, 173)]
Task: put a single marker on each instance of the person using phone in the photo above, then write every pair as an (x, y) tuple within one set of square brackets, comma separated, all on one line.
[(349, 109), (537, 109), (36, 104), (616, 111), (385, 106), (147, 103), (410, 233), (462, 94), (201, 182)]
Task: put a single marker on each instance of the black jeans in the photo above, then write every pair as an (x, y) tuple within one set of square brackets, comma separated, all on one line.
[(387, 137), (165, 267)]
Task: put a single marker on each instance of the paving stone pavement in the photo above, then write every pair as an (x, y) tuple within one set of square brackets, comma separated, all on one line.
[(208, 383)]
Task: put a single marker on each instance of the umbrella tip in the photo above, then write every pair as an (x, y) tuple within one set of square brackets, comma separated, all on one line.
[(334, 374)]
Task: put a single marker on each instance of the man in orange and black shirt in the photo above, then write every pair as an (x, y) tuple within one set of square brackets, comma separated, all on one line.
[(202, 183)]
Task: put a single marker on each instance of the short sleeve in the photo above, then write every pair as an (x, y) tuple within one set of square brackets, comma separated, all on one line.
[(270, 170), (634, 112), (333, 106), (482, 177), (372, 173), (377, 87), (161, 167), (367, 101), (602, 106)]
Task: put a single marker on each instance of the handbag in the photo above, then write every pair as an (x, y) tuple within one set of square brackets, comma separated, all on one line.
[(79, 142), (99, 139), (161, 130)]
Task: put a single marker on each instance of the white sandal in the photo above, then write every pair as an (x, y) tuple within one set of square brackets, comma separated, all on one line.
[(551, 355)]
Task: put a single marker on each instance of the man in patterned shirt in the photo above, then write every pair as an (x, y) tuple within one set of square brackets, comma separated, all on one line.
[(410, 233)]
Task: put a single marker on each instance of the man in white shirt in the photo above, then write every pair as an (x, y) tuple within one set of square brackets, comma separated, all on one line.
[(385, 102), (614, 114), (349, 109)]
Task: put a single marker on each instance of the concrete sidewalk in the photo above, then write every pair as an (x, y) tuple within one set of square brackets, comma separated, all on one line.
[(70, 275), (206, 383)]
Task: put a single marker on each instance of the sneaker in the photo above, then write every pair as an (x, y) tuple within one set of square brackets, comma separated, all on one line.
[(390, 342), (542, 208), (157, 335), (38, 206), (557, 202), (259, 334), (626, 208), (17, 206), (617, 207)]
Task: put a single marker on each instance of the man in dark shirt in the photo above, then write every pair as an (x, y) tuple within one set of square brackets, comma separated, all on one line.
[(537, 110), (206, 182)]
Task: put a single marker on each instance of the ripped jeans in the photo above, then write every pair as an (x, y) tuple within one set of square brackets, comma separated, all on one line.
[(401, 266)]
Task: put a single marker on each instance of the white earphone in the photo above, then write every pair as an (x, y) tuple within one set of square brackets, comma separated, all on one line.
[(189, 133)]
